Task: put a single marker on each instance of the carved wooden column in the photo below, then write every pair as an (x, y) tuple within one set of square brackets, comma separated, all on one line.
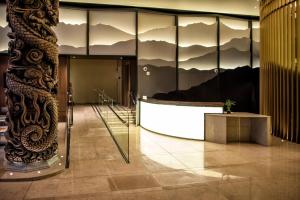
[(31, 81)]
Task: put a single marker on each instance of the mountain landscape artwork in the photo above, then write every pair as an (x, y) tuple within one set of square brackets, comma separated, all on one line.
[(4, 29), (112, 33), (197, 50), (71, 31), (234, 43), (156, 54)]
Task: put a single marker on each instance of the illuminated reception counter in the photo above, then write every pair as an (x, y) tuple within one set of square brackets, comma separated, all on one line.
[(176, 118)]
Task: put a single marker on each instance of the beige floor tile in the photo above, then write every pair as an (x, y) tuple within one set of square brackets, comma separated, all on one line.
[(160, 163), (183, 178), (65, 187), (132, 182), (13, 191)]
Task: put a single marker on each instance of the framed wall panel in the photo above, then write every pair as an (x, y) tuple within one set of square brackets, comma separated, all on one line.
[(112, 33), (197, 59), (234, 43), (4, 29), (256, 43), (72, 31), (156, 54)]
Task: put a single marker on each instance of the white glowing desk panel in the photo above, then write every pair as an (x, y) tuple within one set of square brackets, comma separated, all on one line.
[(176, 118)]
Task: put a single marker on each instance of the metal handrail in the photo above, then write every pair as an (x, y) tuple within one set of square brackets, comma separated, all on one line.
[(121, 119), (68, 129), (132, 98), (105, 98)]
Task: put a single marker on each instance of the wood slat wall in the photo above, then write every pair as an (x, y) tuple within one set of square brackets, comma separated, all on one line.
[(280, 66)]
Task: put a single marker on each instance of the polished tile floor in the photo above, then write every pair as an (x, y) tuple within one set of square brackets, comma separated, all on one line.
[(164, 168)]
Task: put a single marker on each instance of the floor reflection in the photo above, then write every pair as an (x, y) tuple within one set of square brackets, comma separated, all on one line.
[(164, 168)]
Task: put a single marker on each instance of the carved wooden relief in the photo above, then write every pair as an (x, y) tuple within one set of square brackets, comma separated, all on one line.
[(32, 81)]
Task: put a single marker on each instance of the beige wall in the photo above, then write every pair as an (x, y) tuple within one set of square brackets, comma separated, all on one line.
[(244, 7), (88, 74)]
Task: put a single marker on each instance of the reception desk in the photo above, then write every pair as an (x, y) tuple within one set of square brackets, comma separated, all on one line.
[(176, 118)]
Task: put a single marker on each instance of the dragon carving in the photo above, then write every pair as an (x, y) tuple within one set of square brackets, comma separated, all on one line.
[(31, 81)]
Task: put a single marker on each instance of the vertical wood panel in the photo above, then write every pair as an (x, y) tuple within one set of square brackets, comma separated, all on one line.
[(279, 73), (62, 97), (298, 72)]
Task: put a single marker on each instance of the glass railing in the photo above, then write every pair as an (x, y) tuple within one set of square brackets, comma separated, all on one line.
[(116, 120)]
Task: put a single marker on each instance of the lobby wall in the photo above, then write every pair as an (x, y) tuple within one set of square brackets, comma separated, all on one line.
[(89, 74), (175, 52), (280, 66)]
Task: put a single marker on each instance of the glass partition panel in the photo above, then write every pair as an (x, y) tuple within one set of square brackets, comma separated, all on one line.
[(156, 54), (234, 43), (197, 41), (112, 33), (116, 119), (71, 31), (256, 43)]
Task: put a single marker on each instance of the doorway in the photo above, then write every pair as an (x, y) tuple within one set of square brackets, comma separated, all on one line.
[(127, 85), (116, 76)]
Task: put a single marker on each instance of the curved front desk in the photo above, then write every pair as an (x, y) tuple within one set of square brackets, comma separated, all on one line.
[(176, 118)]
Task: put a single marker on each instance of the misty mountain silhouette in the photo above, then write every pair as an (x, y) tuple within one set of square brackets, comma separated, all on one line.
[(227, 33), (256, 34), (256, 47), (198, 33), (232, 58), (156, 62), (159, 34), (240, 84), (70, 35), (108, 32), (66, 49), (194, 51), (192, 77), (241, 44), (119, 48), (205, 62), (157, 50)]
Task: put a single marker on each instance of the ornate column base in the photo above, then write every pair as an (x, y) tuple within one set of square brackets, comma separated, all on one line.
[(23, 167), (14, 172)]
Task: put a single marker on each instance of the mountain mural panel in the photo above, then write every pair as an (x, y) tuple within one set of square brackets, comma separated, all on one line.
[(156, 54), (112, 33), (235, 43), (71, 31), (197, 50)]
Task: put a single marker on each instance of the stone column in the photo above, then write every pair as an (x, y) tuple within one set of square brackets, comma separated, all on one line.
[(31, 82)]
